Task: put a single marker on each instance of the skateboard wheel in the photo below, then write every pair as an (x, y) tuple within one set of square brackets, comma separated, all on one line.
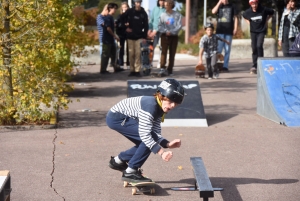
[(125, 184), (152, 190), (134, 191)]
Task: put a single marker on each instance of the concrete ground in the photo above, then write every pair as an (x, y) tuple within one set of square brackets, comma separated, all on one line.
[(249, 156)]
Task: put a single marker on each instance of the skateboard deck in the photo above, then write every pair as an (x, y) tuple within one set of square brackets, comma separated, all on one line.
[(141, 187), (220, 61), (200, 71), (146, 56), (117, 45)]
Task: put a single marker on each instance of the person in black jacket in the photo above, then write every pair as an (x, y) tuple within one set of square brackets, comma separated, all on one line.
[(121, 32), (137, 29), (257, 16)]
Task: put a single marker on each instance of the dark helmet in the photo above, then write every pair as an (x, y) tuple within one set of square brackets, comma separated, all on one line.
[(209, 25), (137, 1), (172, 89)]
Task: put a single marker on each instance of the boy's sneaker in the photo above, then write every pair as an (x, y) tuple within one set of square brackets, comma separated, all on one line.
[(113, 165), (209, 78), (135, 177)]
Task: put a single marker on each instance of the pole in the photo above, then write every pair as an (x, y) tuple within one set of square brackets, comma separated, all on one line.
[(204, 13), (187, 21)]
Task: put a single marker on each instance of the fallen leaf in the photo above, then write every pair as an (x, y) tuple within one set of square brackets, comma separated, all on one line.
[(180, 167)]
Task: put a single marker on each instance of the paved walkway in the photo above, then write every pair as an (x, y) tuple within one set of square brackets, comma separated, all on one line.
[(249, 156)]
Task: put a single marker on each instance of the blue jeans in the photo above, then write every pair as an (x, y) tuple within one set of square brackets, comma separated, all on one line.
[(129, 128), (227, 48)]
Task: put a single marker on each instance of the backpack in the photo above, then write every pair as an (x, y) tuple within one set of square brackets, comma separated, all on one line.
[(295, 48)]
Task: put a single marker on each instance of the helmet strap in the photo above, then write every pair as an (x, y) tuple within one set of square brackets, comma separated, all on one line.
[(160, 104)]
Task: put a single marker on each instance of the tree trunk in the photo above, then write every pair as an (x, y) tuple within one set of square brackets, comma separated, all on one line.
[(194, 17), (7, 54)]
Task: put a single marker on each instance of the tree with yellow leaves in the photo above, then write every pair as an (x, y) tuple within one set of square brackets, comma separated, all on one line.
[(37, 39)]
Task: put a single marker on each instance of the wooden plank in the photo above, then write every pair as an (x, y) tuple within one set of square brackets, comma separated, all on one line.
[(5, 187), (4, 172), (204, 185)]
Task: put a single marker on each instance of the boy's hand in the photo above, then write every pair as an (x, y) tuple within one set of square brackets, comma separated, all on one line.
[(174, 144), (166, 156), (117, 38), (200, 62)]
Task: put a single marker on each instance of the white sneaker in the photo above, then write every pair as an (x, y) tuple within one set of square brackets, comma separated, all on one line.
[(209, 78), (158, 65)]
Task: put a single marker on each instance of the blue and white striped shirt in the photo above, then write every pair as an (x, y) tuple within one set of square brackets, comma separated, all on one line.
[(100, 22), (149, 114)]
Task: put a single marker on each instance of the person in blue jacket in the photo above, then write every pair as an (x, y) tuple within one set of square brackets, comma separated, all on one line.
[(153, 32)]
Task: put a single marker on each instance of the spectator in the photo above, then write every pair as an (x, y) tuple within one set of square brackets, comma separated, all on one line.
[(100, 23), (108, 40), (257, 16), (226, 27), (169, 25), (208, 45), (137, 29), (153, 26), (287, 30), (121, 32), (138, 119)]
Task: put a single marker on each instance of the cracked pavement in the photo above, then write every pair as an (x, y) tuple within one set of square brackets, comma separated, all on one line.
[(249, 156)]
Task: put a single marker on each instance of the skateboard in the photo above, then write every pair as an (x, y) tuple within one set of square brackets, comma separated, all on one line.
[(146, 56), (142, 187), (200, 71), (220, 61), (117, 45)]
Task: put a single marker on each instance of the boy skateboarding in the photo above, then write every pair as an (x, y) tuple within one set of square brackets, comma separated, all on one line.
[(138, 119)]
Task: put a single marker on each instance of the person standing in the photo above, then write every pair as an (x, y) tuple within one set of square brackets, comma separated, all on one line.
[(108, 40), (257, 16), (137, 28), (226, 27), (100, 23), (169, 25), (208, 45), (121, 32), (287, 30), (153, 26)]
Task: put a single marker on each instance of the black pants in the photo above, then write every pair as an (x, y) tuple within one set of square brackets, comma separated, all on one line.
[(168, 43), (257, 42), (108, 51), (211, 64)]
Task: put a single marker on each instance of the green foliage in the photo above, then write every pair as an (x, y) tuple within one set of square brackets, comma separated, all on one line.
[(43, 36), (192, 49), (91, 3)]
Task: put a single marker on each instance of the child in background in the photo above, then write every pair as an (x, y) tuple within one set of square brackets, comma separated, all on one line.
[(209, 45)]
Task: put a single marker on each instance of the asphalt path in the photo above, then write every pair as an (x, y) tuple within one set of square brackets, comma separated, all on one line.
[(249, 156)]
